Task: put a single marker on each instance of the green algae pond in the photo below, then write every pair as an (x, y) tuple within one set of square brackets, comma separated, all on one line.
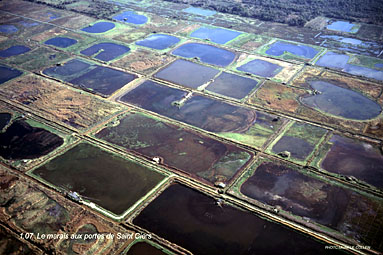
[(106, 179)]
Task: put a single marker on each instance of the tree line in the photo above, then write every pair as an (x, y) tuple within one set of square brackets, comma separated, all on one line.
[(297, 12)]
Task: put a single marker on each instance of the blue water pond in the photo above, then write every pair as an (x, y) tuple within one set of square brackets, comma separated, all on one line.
[(14, 51), (206, 53), (69, 70), (339, 61), (103, 80), (279, 48), (99, 27), (333, 60), (28, 24), (342, 26), (217, 35), (8, 73), (199, 11), (187, 73), (62, 42), (8, 29), (52, 16), (341, 102), (131, 17), (378, 65), (364, 71), (158, 41), (261, 68), (232, 85), (106, 51)]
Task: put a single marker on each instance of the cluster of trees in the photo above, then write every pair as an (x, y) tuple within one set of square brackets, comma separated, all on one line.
[(96, 8), (297, 12)]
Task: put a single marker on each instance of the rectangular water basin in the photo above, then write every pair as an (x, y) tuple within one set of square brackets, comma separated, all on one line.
[(100, 176), (282, 186), (182, 149), (237, 123), (196, 222)]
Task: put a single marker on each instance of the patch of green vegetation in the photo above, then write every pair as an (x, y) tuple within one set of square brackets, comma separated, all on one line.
[(296, 13), (365, 61), (255, 40), (37, 59), (310, 136), (231, 163), (82, 42), (255, 137)]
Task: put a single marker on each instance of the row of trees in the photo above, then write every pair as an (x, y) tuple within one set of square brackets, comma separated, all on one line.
[(297, 12)]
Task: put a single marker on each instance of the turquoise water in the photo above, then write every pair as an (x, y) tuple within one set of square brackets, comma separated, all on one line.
[(261, 68), (131, 17), (342, 26), (279, 48), (99, 27), (341, 102), (217, 35), (206, 53), (14, 51), (62, 42), (106, 51), (199, 11), (158, 41)]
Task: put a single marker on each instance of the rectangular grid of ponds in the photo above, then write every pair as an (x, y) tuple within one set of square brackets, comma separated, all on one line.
[(195, 221), (187, 151), (102, 177), (90, 76), (284, 186), (237, 123), (84, 167)]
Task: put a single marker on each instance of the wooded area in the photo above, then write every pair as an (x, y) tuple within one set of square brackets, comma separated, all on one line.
[(297, 12)]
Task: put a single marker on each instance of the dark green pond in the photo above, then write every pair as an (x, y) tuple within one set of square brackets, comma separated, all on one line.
[(143, 248), (22, 141), (108, 180)]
